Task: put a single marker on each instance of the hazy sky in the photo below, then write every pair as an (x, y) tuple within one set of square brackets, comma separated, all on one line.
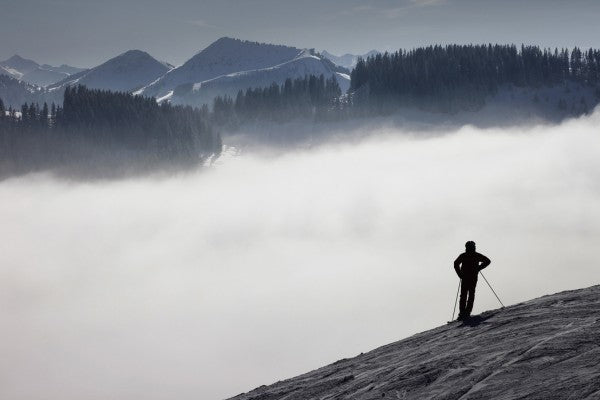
[(87, 32)]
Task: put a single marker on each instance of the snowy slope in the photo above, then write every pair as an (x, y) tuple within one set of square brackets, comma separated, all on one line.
[(44, 77), (225, 56), (14, 92), (547, 348), (126, 72), (304, 64), (18, 63), (10, 72)]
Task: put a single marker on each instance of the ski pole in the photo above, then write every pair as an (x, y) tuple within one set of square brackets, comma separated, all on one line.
[(455, 301), (486, 281)]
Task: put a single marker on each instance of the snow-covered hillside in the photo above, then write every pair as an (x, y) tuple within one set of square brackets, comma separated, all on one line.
[(304, 64), (18, 63), (14, 92), (225, 56), (547, 348), (126, 72), (10, 72), (223, 68), (44, 77), (229, 65)]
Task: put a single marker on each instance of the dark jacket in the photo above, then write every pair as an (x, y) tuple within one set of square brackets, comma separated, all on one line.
[(468, 265)]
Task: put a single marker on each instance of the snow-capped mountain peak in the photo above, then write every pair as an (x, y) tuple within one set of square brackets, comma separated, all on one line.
[(18, 63), (222, 57), (229, 65), (31, 72), (126, 72)]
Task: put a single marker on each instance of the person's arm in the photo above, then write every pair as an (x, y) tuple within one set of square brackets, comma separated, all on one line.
[(457, 266), (484, 261)]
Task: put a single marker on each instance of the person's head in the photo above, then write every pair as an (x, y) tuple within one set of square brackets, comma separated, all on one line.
[(470, 246)]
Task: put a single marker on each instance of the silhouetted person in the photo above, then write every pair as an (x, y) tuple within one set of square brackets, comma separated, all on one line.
[(467, 267)]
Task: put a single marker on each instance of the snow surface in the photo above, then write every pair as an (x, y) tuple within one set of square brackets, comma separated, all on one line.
[(165, 97), (13, 73), (547, 348)]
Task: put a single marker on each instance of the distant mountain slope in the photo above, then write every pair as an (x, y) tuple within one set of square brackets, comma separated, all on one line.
[(347, 60), (126, 72), (547, 348), (33, 73), (14, 92), (44, 77), (225, 56), (10, 72), (18, 63), (304, 64), (65, 69)]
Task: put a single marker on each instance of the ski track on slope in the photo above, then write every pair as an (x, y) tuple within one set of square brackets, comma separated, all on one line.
[(198, 86)]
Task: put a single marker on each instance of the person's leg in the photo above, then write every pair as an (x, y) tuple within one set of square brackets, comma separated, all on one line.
[(464, 290), (471, 298)]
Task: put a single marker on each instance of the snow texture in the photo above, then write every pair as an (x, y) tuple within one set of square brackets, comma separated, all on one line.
[(547, 348), (10, 72)]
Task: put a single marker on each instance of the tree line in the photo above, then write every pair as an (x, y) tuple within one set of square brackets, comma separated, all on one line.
[(454, 77), (308, 97), (98, 129)]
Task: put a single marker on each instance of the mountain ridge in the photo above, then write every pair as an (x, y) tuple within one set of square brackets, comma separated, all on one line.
[(23, 65), (347, 60), (229, 65), (223, 56), (33, 73), (545, 348), (228, 85), (126, 72)]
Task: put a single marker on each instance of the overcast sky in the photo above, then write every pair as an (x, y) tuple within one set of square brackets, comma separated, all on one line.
[(87, 32)]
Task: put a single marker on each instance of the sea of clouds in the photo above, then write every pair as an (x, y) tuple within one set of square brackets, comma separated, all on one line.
[(206, 284)]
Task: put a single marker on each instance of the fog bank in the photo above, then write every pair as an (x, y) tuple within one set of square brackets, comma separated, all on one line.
[(207, 284)]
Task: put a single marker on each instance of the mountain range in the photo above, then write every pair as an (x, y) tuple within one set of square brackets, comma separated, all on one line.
[(33, 73), (347, 60), (124, 73), (229, 65), (546, 348), (223, 68)]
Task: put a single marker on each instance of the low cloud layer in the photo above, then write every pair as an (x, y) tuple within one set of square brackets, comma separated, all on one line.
[(208, 284)]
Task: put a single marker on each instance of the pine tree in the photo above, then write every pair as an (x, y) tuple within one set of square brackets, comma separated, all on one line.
[(44, 116)]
